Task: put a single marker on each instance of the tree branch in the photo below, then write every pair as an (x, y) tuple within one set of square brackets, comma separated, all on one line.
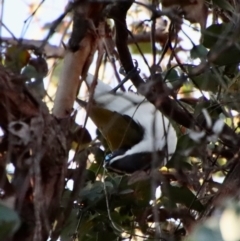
[(166, 105), (19, 105), (54, 51)]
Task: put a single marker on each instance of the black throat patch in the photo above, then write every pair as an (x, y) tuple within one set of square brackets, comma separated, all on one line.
[(135, 162)]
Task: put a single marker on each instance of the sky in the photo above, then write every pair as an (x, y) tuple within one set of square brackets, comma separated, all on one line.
[(16, 12)]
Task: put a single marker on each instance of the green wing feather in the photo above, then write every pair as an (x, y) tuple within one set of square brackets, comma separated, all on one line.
[(120, 131)]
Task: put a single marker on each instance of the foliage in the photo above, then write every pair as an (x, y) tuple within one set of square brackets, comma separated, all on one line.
[(202, 81), (9, 222)]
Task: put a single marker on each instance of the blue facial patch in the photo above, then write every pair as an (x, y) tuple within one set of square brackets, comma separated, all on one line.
[(108, 157)]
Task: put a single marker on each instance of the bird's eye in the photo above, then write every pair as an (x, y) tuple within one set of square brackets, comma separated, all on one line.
[(108, 157)]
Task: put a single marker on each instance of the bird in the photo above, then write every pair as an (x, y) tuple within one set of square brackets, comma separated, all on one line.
[(133, 127)]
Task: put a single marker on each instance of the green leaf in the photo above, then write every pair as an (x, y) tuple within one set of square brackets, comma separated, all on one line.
[(171, 75), (179, 158), (212, 34), (184, 143), (224, 4), (94, 226), (221, 32), (213, 107), (178, 161), (136, 195), (142, 192), (86, 226), (228, 57), (182, 195), (9, 222), (207, 81), (232, 101), (92, 193), (70, 226), (121, 219), (198, 51)]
